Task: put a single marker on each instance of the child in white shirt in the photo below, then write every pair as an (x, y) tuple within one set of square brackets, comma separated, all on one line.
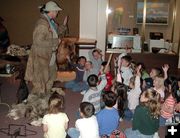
[(55, 122), (93, 95), (135, 91), (159, 86), (124, 62), (87, 126)]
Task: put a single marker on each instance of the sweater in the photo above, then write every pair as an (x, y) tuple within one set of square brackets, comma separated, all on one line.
[(144, 122)]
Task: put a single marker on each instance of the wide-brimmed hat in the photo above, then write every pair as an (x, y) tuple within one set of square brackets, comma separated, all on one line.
[(52, 6)]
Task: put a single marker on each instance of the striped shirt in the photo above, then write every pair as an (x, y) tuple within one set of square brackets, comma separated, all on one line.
[(167, 109)]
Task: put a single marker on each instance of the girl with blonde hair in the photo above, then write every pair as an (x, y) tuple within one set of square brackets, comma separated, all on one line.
[(146, 117), (55, 122)]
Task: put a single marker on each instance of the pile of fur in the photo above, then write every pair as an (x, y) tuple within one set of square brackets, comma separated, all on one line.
[(16, 50), (34, 108)]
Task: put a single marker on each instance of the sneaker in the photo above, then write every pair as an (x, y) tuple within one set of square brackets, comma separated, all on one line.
[(120, 119), (156, 135)]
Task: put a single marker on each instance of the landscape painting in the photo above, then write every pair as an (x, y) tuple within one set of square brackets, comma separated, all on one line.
[(157, 13)]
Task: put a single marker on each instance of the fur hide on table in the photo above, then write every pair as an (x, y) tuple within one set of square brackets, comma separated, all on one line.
[(34, 108)]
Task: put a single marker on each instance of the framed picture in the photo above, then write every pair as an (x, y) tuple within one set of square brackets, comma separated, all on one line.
[(157, 13)]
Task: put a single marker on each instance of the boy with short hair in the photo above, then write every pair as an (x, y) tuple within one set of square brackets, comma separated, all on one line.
[(108, 118), (87, 126), (76, 85), (125, 71), (93, 95)]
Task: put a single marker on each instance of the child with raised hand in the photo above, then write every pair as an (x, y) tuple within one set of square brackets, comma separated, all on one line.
[(153, 73), (109, 76), (95, 56), (124, 68), (146, 116), (108, 118), (135, 90), (159, 86), (159, 81), (87, 126), (168, 107), (77, 85), (55, 122)]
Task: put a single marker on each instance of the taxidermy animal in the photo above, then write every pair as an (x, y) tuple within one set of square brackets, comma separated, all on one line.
[(66, 49)]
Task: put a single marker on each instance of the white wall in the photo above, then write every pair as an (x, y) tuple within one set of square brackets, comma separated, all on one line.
[(88, 18), (101, 24), (93, 22)]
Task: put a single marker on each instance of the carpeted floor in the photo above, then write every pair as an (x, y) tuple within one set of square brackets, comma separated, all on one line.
[(8, 93)]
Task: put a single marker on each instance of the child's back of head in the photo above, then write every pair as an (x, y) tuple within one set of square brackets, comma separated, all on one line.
[(151, 99), (109, 98), (87, 109), (92, 80), (56, 103), (121, 91)]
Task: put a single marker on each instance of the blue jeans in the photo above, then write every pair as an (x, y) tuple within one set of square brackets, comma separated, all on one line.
[(162, 121), (136, 134), (128, 114), (76, 86), (73, 132)]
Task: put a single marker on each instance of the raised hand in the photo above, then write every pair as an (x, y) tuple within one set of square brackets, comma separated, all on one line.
[(165, 70), (165, 67)]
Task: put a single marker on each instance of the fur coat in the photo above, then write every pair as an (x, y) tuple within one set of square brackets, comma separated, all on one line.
[(38, 69)]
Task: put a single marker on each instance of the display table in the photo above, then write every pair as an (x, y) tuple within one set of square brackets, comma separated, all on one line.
[(84, 45), (84, 41)]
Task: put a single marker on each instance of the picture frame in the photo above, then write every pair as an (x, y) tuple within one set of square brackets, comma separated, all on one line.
[(157, 13)]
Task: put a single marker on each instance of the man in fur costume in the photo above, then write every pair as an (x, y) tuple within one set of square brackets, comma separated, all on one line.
[(41, 65)]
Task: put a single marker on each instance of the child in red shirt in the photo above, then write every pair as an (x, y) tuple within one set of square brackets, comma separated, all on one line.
[(109, 76)]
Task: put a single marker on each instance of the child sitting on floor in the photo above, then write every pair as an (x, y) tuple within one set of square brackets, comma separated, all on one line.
[(109, 76), (108, 118), (149, 81), (95, 56), (168, 107), (121, 104), (93, 95), (89, 70), (159, 86), (135, 90), (124, 69), (55, 122), (146, 116), (77, 85), (87, 126)]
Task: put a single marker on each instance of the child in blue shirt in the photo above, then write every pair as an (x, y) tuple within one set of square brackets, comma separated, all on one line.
[(77, 85), (108, 118)]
